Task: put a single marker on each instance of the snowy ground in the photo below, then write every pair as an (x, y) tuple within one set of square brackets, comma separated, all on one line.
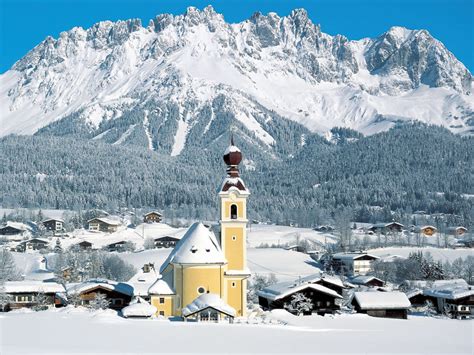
[(61, 332), (442, 254)]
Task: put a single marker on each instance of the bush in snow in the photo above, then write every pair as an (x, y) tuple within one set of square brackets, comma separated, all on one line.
[(41, 302), (5, 299), (430, 309), (299, 304), (99, 302)]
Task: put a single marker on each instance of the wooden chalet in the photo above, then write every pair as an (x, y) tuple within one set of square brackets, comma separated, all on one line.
[(13, 228), (456, 298), (32, 244), (153, 217), (26, 294), (118, 294), (382, 304), (321, 291), (426, 230), (53, 224), (84, 245), (367, 280), (385, 228), (116, 246), (166, 242), (457, 231), (103, 224)]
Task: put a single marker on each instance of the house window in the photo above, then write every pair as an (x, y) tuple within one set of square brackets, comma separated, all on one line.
[(162, 300), (201, 290), (233, 284), (162, 313), (233, 212)]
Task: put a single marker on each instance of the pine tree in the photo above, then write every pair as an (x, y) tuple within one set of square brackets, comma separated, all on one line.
[(299, 304)]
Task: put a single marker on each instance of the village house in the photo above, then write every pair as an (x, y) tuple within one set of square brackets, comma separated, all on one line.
[(416, 297), (353, 263), (366, 280), (118, 294), (14, 230), (53, 225), (166, 242), (142, 281), (382, 304), (384, 228), (325, 293), (455, 298), (119, 246), (426, 230), (84, 245), (32, 244), (457, 231), (153, 217), (103, 224), (27, 294)]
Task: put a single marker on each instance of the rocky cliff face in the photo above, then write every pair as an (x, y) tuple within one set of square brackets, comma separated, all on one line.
[(184, 80)]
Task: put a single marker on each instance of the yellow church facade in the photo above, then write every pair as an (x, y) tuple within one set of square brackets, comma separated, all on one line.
[(201, 264)]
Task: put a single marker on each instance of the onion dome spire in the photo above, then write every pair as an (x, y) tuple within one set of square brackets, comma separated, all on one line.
[(232, 157)]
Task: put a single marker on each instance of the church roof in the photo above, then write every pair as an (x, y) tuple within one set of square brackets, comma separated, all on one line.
[(198, 246)]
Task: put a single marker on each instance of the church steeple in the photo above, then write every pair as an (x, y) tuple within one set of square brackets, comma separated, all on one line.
[(232, 157)]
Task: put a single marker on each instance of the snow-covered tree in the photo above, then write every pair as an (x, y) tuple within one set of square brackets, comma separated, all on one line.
[(5, 298), (149, 243), (100, 301), (8, 270), (299, 304), (41, 302), (257, 283)]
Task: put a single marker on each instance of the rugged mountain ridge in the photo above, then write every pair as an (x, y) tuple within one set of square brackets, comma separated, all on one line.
[(182, 81)]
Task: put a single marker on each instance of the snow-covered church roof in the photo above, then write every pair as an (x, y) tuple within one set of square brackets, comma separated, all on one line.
[(208, 300), (198, 246)]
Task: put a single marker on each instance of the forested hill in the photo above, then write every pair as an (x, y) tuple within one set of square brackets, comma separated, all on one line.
[(411, 167)]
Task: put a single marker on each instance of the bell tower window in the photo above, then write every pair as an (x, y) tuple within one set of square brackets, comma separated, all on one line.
[(233, 212)]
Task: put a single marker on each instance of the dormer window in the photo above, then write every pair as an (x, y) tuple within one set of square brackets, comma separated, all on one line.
[(233, 212)]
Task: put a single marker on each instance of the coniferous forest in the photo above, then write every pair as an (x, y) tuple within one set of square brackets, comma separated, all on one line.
[(412, 167)]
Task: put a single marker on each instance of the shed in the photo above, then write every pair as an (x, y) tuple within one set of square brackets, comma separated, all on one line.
[(209, 307), (382, 304)]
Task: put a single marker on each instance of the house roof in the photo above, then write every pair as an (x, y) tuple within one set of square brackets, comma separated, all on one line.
[(414, 292), (382, 300), (353, 256), (450, 293), (82, 287), (363, 279), (284, 289), (40, 240), (160, 287), (139, 308), (208, 300), (53, 219), (32, 287), (233, 183), (153, 212), (106, 220), (385, 224), (16, 225), (326, 278), (198, 246)]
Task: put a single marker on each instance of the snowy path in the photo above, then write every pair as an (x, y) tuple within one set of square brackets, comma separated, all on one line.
[(54, 332)]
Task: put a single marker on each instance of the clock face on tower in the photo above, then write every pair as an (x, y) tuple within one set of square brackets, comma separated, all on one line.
[(233, 196)]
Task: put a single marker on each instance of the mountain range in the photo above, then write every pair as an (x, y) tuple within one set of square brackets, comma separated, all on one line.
[(183, 81)]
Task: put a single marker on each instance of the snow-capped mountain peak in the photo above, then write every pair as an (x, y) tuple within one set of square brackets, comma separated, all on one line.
[(184, 73)]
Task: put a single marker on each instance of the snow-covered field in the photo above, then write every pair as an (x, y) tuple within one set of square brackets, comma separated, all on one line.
[(442, 254), (80, 332)]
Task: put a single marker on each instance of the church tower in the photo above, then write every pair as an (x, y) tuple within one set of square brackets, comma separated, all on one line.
[(233, 221)]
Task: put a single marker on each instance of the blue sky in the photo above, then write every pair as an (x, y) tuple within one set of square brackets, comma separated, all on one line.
[(25, 23)]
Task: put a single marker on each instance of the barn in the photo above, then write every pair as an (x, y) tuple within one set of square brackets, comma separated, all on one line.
[(382, 304)]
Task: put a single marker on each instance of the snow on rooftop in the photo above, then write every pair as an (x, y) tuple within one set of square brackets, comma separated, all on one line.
[(198, 246), (139, 308), (207, 300), (284, 289), (16, 225), (414, 292), (450, 293), (108, 220), (160, 287), (120, 287), (382, 300), (363, 279), (32, 287), (352, 256)]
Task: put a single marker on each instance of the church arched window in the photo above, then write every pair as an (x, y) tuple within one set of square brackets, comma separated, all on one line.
[(233, 212)]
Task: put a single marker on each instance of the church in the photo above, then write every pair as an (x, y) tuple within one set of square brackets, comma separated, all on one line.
[(203, 267)]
